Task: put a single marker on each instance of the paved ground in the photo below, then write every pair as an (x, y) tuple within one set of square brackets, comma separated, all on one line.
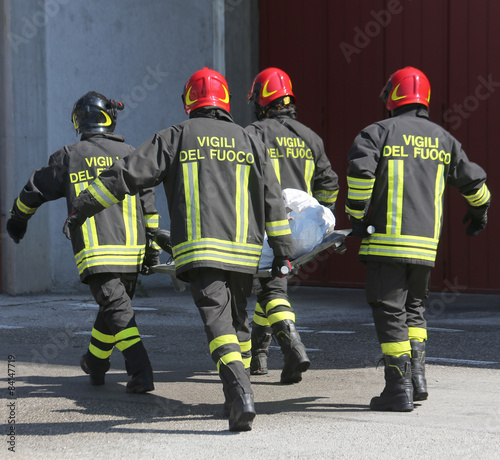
[(58, 415)]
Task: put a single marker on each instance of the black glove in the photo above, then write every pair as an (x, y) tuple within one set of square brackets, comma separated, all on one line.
[(281, 267), (162, 239), (478, 217), (16, 227), (74, 220), (151, 259), (359, 228)]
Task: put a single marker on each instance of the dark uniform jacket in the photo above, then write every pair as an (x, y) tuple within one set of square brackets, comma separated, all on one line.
[(401, 166), (298, 156), (112, 241), (221, 189)]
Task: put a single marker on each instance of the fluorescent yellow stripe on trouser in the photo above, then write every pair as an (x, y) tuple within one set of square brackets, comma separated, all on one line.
[(127, 338), (274, 317), (259, 316), (396, 348), (246, 348), (228, 357), (417, 333), (102, 351)]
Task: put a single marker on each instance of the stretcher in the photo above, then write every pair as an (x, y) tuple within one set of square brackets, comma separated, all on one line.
[(333, 242)]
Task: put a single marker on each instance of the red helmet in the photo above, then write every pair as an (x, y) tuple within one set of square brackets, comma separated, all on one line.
[(205, 88), (268, 85), (406, 86)]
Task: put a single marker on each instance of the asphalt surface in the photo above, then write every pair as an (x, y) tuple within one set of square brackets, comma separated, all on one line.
[(58, 415)]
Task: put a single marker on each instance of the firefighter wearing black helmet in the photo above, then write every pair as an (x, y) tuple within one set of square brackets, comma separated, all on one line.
[(398, 170), (109, 249), (222, 196), (299, 159)]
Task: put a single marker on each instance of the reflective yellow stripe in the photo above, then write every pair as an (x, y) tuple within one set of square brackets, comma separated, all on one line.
[(438, 200), (359, 189), (98, 353), (109, 255), (417, 333), (242, 221), (102, 194), (104, 338), (124, 344), (276, 165), (482, 196), (277, 228), (258, 308), (192, 196), (275, 302), (127, 333), (245, 346), (23, 208), (356, 213), (396, 348), (357, 182), (126, 338), (247, 361), (261, 321), (89, 230), (222, 340), (130, 219), (223, 245), (228, 252), (400, 246), (152, 220), (326, 196), (280, 316), (395, 197), (259, 316), (230, 357), (309, 174)]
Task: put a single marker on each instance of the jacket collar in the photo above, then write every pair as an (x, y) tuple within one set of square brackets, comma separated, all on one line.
[(114, 137), (212, 112)]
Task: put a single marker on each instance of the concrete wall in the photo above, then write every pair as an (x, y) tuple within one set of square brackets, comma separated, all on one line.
[(54, 51)]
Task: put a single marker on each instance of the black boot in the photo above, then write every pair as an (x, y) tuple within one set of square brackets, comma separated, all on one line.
[(261, 339), (295, 356), (139, 367), (95, 367), (397, 395), (418, 370), (238, 404), (242, 413), (162, 239)]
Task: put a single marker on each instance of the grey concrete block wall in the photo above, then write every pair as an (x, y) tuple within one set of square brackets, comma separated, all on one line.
[(54, 51)]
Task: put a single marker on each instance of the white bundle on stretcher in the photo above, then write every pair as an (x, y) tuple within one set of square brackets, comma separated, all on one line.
[(309, 222)]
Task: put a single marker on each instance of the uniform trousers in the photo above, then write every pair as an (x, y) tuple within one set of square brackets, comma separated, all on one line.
[(272, 302), (221, 298), (115, 322), (396, 292)]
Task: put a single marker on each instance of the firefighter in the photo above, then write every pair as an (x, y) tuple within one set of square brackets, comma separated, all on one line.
[(109, 249), (222, 196), (300, 162), (398, 168)]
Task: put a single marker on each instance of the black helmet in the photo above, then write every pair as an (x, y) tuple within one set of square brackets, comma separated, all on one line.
[(95, 113)]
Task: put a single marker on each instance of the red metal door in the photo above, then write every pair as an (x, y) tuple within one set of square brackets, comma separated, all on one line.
[(339, 55)]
